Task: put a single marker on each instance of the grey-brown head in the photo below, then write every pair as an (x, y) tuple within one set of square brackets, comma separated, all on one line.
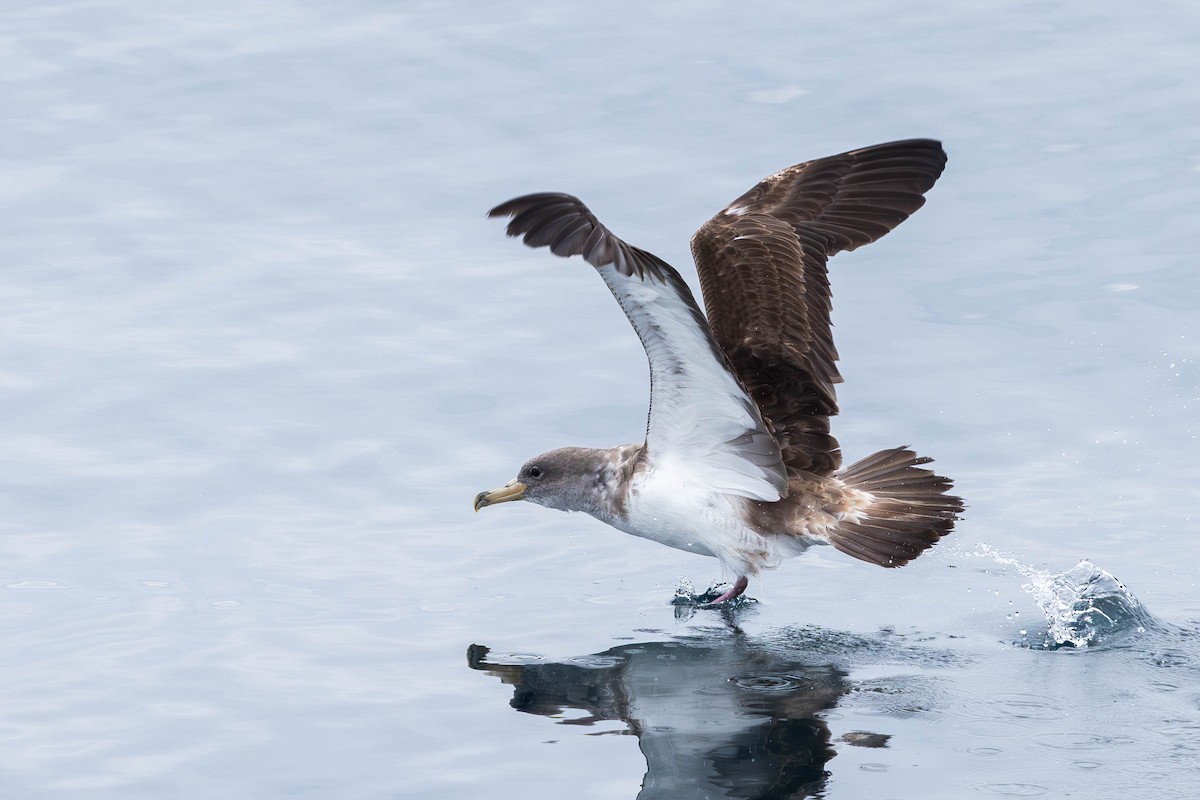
[(569, 479)]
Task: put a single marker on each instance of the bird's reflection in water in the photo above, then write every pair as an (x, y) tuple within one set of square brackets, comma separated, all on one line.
[(714, 717)]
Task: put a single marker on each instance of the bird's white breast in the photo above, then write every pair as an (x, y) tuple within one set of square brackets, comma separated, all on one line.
[(666, 507)]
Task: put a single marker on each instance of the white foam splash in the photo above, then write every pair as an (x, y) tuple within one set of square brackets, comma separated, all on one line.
[(1083, 606)]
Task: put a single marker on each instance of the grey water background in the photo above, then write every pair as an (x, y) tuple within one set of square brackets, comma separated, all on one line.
[(261, 349)]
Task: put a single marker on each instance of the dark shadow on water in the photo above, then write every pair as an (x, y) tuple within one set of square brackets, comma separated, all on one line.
[(720, 716)]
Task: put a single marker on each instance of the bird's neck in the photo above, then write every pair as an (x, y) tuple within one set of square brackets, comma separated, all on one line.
[(611, 473)]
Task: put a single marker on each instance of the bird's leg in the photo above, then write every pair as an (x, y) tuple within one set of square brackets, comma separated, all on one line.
[(738, 587)]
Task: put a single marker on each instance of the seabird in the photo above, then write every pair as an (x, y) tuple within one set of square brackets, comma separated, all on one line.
[(738, 461)]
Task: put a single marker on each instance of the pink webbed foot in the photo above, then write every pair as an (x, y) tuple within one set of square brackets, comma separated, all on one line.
[(738, 587)]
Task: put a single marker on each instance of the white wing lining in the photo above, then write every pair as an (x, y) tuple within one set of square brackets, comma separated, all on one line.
[(700, 417)]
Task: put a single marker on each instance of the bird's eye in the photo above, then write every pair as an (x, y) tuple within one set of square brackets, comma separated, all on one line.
[(535, 472)]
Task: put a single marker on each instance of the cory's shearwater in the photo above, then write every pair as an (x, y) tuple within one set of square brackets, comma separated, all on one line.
[(738, 462)]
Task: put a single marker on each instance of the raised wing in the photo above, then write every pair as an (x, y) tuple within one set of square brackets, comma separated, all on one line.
[(762, 264), (700, 416)]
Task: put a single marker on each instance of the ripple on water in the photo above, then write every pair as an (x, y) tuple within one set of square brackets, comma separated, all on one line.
[(987, 752), (514, 659), (770, 683), (1014, 706), (595, 661), (1014, 789), (1081, 741)]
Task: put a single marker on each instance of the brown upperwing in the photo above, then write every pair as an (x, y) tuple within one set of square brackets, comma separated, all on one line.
[(762, 265)]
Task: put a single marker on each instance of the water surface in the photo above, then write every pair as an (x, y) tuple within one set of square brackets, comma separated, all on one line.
[(261, 349)]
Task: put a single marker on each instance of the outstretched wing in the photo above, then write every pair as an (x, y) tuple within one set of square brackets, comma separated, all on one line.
[(762, 264), (700, 416)]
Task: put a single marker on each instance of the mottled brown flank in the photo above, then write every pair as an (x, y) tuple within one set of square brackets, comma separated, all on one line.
[(762, 265), (813, 505), (617, 476), (885, 509)]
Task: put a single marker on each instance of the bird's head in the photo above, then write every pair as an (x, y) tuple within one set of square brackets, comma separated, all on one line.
[(566, 479)]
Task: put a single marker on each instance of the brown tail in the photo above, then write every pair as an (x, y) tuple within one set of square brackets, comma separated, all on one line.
[(910, 513)]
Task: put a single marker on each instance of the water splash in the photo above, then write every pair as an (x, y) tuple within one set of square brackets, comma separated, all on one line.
[(1084, 606), (687, 602)]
